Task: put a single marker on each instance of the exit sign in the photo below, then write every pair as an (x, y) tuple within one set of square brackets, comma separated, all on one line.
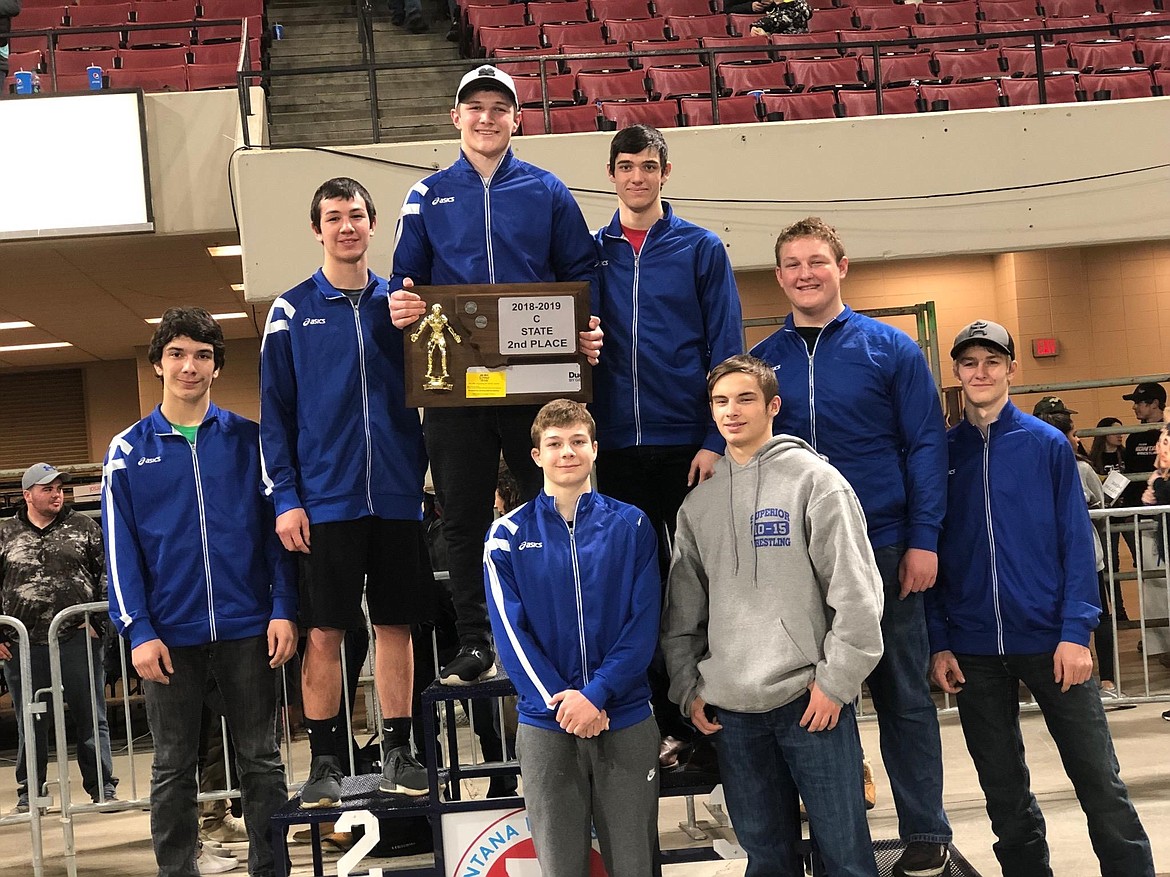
[(1042, 347)]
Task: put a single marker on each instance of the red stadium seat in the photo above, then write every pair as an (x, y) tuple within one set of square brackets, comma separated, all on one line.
[(616, 10), (928, 35), (495, 16), (949, 13), (660, 114), (563, 120), (201, 76), (880, 33), (79, 62), (671, 8), (830, 20), (1021, 60), (899, 69), (894, 101), (673, 82), (886, 16), (1155, 53), (761, 52), (1098, 20), (159, 79), (561, 90), (162, 12), (1156, 24), (1008, 10), (684, 59), (824, 73), (99, 16), (797, 107), (224, 53), (741, 22), (741, 79), (230, 8), (1162, 80), (1118, 86), (969, 65), (698, 26), (1101, 56), (581, 34), (500, 57), (558, 11), (1134, 7), (626, 85), (524, 37), (732, 111), (45, 18), (1059, 89), (210, 33), (792, 45), (1069, 8), (28, 61), (149, 59), (594, 65), (961, 96), (622, 31), (1009, 33)]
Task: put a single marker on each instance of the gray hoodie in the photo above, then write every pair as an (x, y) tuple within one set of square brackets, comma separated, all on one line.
[(772, 584)]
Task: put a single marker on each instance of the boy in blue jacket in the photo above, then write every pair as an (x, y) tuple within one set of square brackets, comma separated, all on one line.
[(1016, 601), (671, 311), (488, 218), (573, 592), (838, 369), (201, 588), (343, 466)]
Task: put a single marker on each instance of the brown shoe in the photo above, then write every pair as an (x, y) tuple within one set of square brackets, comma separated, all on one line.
[(870, 786)]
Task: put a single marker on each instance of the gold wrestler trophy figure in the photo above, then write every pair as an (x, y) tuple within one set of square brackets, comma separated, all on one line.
[(436, 321)]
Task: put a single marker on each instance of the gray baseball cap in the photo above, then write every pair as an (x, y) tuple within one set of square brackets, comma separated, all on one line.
[(984, 332), (41, 473)]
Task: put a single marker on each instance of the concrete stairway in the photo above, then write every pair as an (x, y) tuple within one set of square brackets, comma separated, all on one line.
[(334, 109)]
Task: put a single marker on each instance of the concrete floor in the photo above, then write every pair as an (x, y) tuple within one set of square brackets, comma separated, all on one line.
[(118, 844)]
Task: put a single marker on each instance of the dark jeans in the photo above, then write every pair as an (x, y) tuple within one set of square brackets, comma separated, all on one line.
[(464, 445), (80, 685), (907, 718), (766, 760), (653, 478), (1103, 635), (989, 708), (239, 668)]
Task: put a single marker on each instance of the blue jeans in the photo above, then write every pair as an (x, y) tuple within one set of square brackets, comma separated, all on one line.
[(766, 760), (989, 708), (907, 718), (249, 689), (78, 685), (407, 8)]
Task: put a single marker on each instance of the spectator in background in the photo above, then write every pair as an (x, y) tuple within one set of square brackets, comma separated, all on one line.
[(787, 16), (408, 14), (1095, 498), (9, 9), (1148, 400), (1154, 591), (51, 558), (1106, 455)]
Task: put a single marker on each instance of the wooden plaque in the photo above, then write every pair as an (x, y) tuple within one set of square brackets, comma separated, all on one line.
[(505, 344)]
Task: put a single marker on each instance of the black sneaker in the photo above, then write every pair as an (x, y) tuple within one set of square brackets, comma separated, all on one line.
[(1166, 715), (323, 788), (922, 859), (402, 774), (472, 664)]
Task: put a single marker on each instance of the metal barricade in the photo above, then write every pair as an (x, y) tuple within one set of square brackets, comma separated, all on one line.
[(29, 709)]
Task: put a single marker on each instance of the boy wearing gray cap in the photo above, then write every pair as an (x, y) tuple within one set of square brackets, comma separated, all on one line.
[(1016, 601), (488, 218)]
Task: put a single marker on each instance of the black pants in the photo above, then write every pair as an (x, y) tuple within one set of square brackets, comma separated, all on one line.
[(464, 445), (653, 478)]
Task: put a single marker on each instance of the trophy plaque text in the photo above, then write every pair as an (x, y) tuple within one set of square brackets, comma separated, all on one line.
[(498, 344)]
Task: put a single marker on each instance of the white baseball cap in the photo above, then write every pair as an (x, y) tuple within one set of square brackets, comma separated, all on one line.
[(491, 77)]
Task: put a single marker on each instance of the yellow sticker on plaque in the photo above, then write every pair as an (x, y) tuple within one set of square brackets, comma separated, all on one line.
[(486, 384)]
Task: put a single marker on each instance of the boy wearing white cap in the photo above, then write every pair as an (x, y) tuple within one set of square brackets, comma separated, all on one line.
[(488, 218)]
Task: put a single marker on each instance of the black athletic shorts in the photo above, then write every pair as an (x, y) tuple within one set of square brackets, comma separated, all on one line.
[(387, 559)]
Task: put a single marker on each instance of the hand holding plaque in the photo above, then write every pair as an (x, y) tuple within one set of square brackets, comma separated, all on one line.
[(513, 344)]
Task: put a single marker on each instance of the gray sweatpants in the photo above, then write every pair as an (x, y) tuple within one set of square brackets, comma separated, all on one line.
[(609, 781)]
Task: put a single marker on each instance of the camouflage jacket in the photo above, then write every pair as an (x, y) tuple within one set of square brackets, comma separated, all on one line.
[(786, 16), (44, 571)]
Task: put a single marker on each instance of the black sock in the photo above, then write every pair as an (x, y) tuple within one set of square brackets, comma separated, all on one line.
[(322, 736), (395, 732)]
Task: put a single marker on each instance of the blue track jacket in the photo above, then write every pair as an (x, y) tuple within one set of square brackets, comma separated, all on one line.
[(192, 554), (1016, 571), (866, 400), (336, 436), (519, 226), (575, 609), (670, 313)]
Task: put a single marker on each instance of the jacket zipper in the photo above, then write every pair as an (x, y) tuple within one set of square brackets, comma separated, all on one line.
[(991, 539), (812, 393), (487, 224), (357, 322), (577, 589), (634, 351), (203, 536)]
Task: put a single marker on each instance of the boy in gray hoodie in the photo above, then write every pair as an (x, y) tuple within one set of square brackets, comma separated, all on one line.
[(772, 622)]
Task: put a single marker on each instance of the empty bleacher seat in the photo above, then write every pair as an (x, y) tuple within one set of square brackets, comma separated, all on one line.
[(1116, 86), (1058, 89), (1010, 33), (558, 11), (741, 22), (626, 31), (961, 96), (1021, 60), (580, 34), (1069, 8), (660, 114), (799, 107), (1155, 24), (697, 26), (494, 16), (899, 69), (949, 13), (795, 45), (682, 59), (895, 101), (743, 44), (886, 16), (1130, 6), (594, 65), (561, 90), (44, 18), (522, 37), (739, 79), (158, 79), (668, 8), (624, 85), (30, 61), (173, 12), (563, 120), (1008, 10), (1099, 56), (1155, 53), (1099, 20), (968, 65), (930, 33), (213, 9), (201, 76), (821, 73), (146, 59), (732, 110), (99, 16), (672, 82), (831, 20), (500, 57), (616, 10), (225, 53), (881, 33)]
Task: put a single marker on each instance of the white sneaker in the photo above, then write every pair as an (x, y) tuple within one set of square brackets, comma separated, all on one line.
[(211, 864)]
